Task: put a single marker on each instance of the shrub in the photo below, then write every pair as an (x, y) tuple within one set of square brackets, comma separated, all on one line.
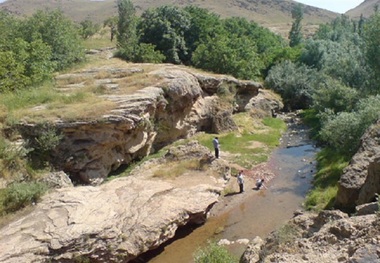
[(214, 253), (19, 195), (294, 82)]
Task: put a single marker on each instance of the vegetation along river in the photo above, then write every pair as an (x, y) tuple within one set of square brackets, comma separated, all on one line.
[(259, 212)]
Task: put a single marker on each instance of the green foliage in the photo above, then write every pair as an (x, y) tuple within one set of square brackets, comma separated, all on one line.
[(340, 60), (344, 130), (372, 40), (165, 28), (127, 38), (59, 33), (214, 253), (203, 26), (19, 195), (329, 169), (227, 55), (88, 28), (43, 144), (295, 34), (11, 72), (294, 82), (333, 96), (112, 23), (341, 29)]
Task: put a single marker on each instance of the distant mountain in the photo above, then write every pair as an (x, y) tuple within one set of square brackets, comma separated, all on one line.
[(275, 14), (366, 8)]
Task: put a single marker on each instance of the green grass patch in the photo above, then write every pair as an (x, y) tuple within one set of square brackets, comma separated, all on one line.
[(329, 169), (19, 195), (213, 253), (252, 144), (174, 169), (99, 42), (311, 119)]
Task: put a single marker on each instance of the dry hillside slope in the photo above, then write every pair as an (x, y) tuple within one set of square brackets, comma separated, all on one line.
[(270, 13), (366, 9)]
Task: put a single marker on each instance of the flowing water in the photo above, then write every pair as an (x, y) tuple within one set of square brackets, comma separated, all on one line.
[(262, 211)]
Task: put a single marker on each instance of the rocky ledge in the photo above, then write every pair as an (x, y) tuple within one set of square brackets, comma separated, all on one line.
[(112, 223), (327, 237)]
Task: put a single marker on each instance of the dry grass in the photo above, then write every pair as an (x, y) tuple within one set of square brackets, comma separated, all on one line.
[(174, 169), (265, 12), (92, 108)]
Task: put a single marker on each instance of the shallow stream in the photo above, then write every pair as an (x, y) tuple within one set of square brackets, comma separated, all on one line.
[(261, 212)]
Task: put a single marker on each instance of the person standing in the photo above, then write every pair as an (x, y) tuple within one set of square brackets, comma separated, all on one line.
[(215, 142), (240, 180)]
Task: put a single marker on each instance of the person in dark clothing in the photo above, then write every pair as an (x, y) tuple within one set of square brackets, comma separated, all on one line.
[(240, 180), (215, 142)]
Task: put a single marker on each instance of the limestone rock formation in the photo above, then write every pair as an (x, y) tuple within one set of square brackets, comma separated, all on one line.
[(361, 179), (328, 237), (114, 222), (180, 104)]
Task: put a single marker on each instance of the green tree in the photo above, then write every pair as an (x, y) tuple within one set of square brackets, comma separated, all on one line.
[(203, 25), (88, 28), (372, 41), (165, 27), (295, 82), (334, 96), (11, 72), (341, 60), (229, 55), (112, 23), (58, 32), (127, 39), (295, 34)]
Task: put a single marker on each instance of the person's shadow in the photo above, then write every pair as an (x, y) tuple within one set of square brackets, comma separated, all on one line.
[(231, 194)]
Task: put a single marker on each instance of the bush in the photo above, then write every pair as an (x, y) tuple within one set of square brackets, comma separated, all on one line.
[(214, 253), (294, 82), (19, 195), (335, 96), (344, 130)]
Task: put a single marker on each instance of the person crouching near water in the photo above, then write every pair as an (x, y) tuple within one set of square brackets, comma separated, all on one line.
[(260, 183), (240, 181)]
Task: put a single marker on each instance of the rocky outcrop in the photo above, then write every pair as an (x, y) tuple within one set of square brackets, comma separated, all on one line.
[(180, 104), (361, 179), (330, 236), (114, 222)]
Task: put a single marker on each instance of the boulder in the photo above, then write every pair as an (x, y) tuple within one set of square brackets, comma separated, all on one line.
[(114, 222), (361, 179), (327, 237)]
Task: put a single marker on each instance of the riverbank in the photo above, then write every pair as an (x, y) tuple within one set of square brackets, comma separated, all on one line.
[(237, 218)]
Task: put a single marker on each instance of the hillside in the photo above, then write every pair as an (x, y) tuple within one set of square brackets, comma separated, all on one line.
[(366, 8), (275, 14)]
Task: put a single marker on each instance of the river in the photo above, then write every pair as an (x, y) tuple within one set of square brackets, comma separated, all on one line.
[(261, 212)]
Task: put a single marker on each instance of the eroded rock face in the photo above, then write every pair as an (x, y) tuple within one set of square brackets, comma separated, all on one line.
[(114, 222), (329, 237), (361, 179), (179, 105)]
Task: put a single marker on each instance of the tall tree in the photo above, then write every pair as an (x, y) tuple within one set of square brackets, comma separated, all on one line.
[(372, 40), (58, 32), (127, 39), (165, 28), (112, 23), (295, 34)]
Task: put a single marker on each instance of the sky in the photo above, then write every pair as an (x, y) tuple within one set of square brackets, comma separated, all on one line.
[(339, 6)]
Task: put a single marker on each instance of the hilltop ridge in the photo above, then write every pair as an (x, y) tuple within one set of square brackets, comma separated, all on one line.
[(273, 14)]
